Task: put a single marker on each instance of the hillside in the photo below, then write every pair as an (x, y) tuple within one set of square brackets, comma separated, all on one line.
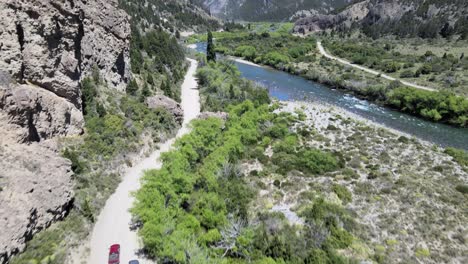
[(270, 10), (404, 18), (170, 15)]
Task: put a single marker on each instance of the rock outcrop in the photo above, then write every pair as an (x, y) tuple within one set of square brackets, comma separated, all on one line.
[(319, 22), (52, 45), (46, 48), (167, 103), (221, 115), (404, 18), (36, 189)]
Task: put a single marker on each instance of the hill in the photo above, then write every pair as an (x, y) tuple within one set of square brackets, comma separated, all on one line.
[(269, 10), (404, 18), (170, 15)]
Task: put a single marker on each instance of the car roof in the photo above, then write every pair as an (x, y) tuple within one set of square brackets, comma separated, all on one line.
[(133, 262)]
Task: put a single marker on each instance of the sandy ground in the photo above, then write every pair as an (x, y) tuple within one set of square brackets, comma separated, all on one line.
[(324, 53), (112, 226), (244, 61)]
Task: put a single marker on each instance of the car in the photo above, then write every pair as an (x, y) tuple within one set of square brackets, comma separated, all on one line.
[(134, 262), (114, 254)]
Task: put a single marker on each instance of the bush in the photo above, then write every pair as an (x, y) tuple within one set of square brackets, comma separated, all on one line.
[(275, 58), (407, 74), (435, 106), (343, 193), (460, 156), (462, 188), (248, 52)]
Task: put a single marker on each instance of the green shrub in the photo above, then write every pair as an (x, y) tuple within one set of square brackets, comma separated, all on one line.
[(343, 193), (462, 188), (460, 156)]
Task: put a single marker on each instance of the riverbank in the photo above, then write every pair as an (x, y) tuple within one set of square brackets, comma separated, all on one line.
[(403, 192), (304, 58)]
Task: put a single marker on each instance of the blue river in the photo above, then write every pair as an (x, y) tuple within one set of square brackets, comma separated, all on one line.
[(287, 87)]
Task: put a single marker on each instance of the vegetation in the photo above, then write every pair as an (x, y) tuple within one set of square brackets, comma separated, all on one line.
[(116, 125), (197, 207), (221, 85), (445, 70), (277, 51), (210, 51), (172, 16), (459, 155), (435, 106), (158, 61), (289, 53)]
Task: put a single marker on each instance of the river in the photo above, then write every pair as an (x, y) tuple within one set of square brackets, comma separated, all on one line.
[(286, 87)]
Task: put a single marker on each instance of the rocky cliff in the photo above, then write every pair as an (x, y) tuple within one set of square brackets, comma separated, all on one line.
[(46, 48), (405, 18)]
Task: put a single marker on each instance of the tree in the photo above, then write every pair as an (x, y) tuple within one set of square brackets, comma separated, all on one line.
[(210, 51), (232, 94), (132, 87), (447, 31), (166, 87), (150, 79)]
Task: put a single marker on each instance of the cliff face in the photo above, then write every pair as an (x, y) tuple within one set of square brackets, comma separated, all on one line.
[(46, 48), (423, 18)]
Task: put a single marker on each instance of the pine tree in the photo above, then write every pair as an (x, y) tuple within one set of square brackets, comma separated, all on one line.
[(150, 79), (166, 87), (210, 51), (446, 31), (132, 88), (232, 94)]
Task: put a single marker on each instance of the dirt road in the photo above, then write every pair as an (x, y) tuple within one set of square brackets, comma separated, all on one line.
[(325, 54), (112, 226)]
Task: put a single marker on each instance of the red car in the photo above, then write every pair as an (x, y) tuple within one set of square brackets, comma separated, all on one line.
[(114, 254)]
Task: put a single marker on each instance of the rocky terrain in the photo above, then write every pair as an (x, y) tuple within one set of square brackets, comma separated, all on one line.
[(46, 49), (171, 105), (403, 190), (422, 18)]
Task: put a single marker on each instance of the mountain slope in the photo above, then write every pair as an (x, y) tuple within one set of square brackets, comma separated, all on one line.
[(170, 15), (405, 18), (269, 10)]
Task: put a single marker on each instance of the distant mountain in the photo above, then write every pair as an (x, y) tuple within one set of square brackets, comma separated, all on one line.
[(405, 18), (269, 10)]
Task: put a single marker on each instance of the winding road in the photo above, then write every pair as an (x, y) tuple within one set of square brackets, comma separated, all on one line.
[(112, 226), (325, 54)]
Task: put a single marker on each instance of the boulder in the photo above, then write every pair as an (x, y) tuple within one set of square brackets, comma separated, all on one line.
[(222, 115), (38, 114), (167, 103)]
